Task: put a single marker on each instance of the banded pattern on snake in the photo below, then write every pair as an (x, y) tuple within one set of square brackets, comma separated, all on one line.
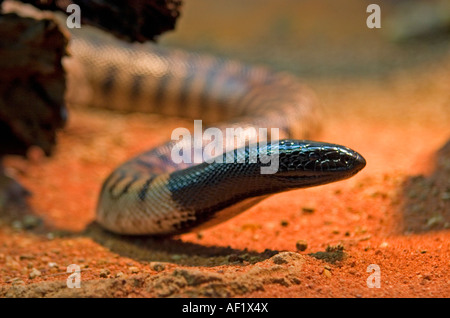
[(149, 194)]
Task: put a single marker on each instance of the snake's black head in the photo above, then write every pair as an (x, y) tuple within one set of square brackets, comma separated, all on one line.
[(304, 163)]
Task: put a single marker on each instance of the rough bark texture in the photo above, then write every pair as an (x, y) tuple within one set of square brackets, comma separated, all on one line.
[(134, 20), (32, 83), (32, 79)]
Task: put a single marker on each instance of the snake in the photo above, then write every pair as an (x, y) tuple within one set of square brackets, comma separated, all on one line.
[(151, 194)]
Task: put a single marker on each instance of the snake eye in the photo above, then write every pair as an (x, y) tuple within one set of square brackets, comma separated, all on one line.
[(333, 156)]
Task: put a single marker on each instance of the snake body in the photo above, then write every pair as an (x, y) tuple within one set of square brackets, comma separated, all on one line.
[(150, 194)]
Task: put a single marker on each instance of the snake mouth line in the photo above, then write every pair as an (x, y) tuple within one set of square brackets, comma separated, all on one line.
[(334, 174), (313, 180)]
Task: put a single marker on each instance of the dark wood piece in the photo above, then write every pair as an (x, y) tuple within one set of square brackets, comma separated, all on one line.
[(133, 20), (32, 83)]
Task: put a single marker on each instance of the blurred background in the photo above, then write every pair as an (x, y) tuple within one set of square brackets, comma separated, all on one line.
[(316, 38)]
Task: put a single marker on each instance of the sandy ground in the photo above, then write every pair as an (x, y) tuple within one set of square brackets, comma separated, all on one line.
[(362, 221), (318, 242)]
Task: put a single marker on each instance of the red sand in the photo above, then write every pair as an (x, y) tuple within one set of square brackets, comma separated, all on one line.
[(365, 214)]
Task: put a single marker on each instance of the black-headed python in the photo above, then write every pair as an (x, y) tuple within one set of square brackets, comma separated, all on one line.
[(150, 194)]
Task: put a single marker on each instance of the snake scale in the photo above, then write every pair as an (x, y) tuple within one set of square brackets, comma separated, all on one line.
[(150, 194)]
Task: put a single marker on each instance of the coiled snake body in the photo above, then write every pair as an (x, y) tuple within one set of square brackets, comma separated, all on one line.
[(150, 194)]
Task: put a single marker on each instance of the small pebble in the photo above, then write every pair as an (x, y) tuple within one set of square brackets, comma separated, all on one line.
[(26, 256), (326, 272), (384, 244), (308, 210), (133, 269), (158, 267), (435, 220), (104, 273), (301, 245), (31, 221), (52, 264), (34, 273), (16, 281), (176, 257)]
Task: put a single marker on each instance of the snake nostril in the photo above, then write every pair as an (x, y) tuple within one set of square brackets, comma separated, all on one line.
[(345, 160)]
